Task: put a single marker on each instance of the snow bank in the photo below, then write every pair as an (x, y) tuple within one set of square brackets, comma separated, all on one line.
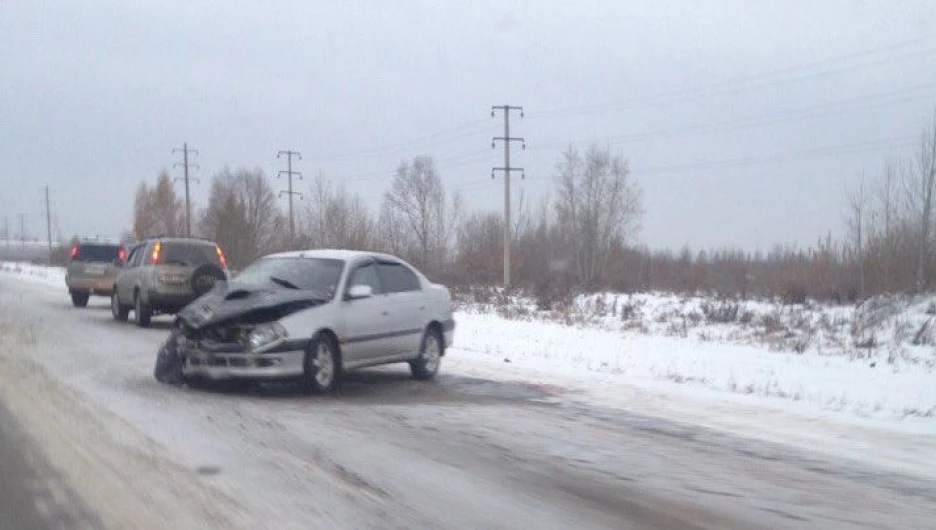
[(811, 379), (896, 329), (51, 276)]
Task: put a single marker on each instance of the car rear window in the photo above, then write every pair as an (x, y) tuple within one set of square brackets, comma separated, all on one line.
[(96, 252), (188, 254)]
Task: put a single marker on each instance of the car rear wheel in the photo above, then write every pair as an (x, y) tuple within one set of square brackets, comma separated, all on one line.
[(321, 365), (80, 299), (426, 366), (119, 311), (142, 311)]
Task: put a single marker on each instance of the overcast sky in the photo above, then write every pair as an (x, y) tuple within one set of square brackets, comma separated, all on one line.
[(742, 121)]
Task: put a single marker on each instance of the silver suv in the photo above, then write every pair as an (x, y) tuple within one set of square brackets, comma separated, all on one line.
[(92, 268), (163, 275)]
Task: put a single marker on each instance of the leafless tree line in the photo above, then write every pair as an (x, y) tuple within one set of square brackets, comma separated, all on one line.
[(890, 223), (581, 238)]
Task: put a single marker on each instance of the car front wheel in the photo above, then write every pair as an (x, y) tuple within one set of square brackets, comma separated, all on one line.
[(119, 311), (426, 366), (321, 365)]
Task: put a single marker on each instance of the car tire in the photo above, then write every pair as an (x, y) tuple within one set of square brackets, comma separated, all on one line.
[(119, 311), (321, 364), (80, 299), (426, 366), (142, 311)]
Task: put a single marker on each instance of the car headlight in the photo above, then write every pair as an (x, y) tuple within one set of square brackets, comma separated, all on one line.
[(265, 336)]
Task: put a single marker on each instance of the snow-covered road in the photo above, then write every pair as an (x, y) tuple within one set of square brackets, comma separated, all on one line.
[(470, 450)]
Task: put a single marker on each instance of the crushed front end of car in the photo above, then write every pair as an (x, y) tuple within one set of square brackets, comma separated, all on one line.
[(233, 332)]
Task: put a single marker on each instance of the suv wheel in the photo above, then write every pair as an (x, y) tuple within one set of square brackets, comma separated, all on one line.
[(80, 299), (119, 311), (142, 311)]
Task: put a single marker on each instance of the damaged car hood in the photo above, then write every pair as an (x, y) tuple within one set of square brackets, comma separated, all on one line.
[(230, 301)]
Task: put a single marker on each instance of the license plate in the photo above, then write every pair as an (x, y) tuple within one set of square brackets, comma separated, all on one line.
[(95, 271)]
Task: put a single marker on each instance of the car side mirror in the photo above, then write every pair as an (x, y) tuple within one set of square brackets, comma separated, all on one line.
[(356, 292)]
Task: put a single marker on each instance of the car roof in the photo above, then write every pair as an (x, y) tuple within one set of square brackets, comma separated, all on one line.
[(97, 241), (195, 240), (327, 253)]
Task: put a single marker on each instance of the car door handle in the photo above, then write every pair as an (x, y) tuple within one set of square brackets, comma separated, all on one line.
[(385, 313), (422, 308)]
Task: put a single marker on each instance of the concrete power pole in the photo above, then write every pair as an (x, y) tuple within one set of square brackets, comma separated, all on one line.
[(185, 164), (507, 139), (48, 222), (289, 191)]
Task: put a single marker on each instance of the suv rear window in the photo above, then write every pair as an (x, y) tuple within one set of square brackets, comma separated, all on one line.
[(188, 254), (96, 252)]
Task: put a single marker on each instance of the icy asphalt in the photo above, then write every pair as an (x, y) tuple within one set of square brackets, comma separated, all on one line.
[(386, 452)]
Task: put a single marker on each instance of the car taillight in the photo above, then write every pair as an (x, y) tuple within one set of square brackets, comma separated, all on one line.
[(156, 250), (122, 254), (221, 257), (74, 252)]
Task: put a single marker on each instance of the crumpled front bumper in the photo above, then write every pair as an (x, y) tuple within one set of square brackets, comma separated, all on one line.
[(226, 361)]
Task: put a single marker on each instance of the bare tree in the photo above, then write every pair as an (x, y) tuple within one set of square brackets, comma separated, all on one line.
[(243, 215), (417, 218), (921, 188), (857, 221), (157, 210), (336, 219), (598, 204), (886, 195)]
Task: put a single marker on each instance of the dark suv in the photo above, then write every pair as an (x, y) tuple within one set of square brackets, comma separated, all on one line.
[(165, 274), (92, 268)]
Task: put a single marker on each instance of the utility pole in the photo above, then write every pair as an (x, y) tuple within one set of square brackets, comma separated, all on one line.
[(48, 222), (22, 218), (507, 139), (185, 164), (289, 191)]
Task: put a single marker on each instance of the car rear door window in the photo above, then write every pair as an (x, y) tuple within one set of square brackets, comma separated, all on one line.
[(366, 275), (397, 278)]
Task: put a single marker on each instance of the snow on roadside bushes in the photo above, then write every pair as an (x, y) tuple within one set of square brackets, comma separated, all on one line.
[(891, 328)]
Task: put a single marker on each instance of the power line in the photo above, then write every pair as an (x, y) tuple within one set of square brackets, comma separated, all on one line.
[(404, 146), (185, 164), (922, 91), (819, 152), (729, 85), (506, 139), (289, 192)]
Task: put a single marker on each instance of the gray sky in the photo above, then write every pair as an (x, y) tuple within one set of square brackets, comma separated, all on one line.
[(726, 110)]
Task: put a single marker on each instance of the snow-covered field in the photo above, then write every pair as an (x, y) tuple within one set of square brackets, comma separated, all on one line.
[(872, 364)]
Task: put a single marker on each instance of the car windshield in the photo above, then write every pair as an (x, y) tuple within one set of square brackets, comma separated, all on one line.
[(97, 252), (308, 274), (189, 254)]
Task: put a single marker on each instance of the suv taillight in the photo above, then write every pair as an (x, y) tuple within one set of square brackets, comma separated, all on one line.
[(122, 254), (156, 251), (221, 257), (74, 252)]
